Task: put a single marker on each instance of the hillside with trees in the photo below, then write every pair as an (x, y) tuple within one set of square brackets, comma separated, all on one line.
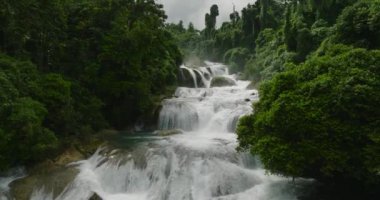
[(316, 64), (70, 68)]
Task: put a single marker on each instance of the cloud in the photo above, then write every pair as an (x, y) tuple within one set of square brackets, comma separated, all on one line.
[(195, 10)]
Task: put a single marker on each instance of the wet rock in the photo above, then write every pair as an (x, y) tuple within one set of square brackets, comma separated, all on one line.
[(168, 132), (95, 197), (186, 79), (221, 81), (53, 175), (207, 76), (56, 181), (209, 69), (69, 156)]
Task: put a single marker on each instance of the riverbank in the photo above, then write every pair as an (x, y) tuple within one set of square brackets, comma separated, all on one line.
[(59, 167)]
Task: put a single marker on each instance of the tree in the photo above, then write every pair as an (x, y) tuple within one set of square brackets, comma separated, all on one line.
[(210, 21), (70, 68), (191, 28), (320, 119), (360, 25)]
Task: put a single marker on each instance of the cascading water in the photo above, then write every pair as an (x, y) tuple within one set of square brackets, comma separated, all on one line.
[(200, 163), (192, 73)]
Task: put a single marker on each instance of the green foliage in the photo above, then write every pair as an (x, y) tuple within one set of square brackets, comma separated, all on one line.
[(186, 40), (28, 30), (360, 25), (24, 123), (93, 63), (320, 119), (270, 57), (55, 93), (131, 74), (318, 111), (24, 138), (236, 59)]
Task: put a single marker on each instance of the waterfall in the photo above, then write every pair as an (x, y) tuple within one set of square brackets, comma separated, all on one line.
[(201, 163), (178, 114), (203, 78), (203, 74), (192, 73)]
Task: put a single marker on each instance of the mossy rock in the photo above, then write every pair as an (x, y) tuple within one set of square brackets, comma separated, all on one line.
[(186, 79), (50, 175), (222, 81), (53, 175)]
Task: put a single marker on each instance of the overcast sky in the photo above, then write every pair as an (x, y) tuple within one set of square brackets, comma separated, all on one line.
[(195, 10)]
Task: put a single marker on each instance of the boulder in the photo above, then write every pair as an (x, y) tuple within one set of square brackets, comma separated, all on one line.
[(222, 81), (52, 175), (95, 197), (186, 79)]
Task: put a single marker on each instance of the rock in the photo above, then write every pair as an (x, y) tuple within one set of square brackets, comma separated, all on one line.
[(52, 175), (53, 180), (186, 79), (209, 70), (69, 156), (95, 197), (221, 81), (207, 76), (168, 132)]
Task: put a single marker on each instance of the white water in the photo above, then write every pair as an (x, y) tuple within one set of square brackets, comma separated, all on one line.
[(205, 74), (9, 177), (200, 164)]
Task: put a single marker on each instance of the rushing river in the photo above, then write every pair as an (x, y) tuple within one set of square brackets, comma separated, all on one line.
[(201, 163)]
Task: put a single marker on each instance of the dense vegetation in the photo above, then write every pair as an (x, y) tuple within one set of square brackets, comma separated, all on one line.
[(318, 63), (319, 115), (69, 68)]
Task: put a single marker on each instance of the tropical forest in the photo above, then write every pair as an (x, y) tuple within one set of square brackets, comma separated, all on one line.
[(122, 100)]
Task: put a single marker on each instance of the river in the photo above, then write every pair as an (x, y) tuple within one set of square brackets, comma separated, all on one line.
[(198, 163)]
